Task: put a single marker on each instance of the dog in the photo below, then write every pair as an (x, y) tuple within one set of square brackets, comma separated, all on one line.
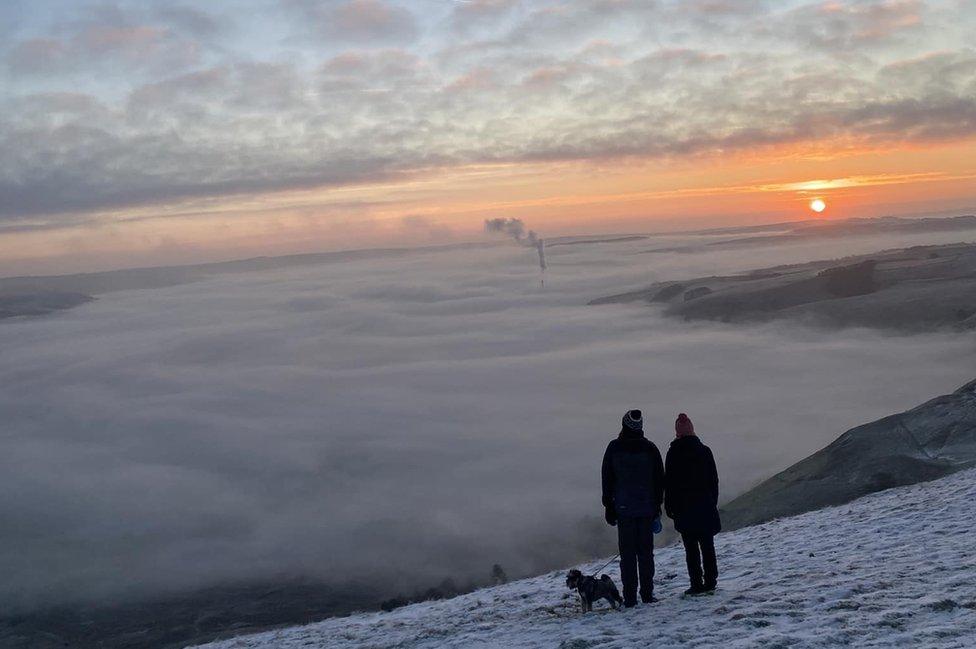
[(591, 589)]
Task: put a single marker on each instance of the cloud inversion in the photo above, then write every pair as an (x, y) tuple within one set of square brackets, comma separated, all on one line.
[(398, 420)]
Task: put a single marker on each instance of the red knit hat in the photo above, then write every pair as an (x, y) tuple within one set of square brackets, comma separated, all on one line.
[(683, 426)]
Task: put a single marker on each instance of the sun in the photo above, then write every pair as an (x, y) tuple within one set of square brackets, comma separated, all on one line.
[(818, 205)]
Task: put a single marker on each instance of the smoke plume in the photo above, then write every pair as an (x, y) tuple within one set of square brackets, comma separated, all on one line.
[(515, 228)]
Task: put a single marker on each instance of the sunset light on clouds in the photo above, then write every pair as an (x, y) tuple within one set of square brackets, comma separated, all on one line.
[(357, 315), (156, 132)]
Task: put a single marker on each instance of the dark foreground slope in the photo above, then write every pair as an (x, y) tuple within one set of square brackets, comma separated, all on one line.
[(181, 620), (933, 440)]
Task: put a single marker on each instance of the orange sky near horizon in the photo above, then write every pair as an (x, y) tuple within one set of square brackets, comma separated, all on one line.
[(135, 135), (449, 205)]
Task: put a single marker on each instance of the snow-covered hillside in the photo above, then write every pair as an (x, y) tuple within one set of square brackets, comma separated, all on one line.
[(897, 568)]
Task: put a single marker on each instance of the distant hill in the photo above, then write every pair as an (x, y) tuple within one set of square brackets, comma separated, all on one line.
[(933, 440), (34, 295), (923, 288), (39, 302), (799, 231)]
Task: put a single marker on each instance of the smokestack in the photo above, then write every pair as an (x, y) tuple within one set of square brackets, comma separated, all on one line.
[(515, 228)]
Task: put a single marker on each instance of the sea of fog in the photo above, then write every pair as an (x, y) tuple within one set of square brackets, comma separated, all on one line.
[(400, 419)]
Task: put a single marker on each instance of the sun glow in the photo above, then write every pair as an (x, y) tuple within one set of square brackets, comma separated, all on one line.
[(818, 205)]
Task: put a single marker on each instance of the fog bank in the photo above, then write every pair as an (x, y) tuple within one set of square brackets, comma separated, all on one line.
[(398, 419)]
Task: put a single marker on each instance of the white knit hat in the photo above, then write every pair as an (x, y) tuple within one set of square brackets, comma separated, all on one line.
[(633, 420)]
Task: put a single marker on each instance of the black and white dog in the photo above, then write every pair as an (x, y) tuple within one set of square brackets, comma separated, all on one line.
[(590, 589)]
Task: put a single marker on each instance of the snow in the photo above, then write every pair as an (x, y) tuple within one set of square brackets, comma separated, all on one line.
[(896, 568)]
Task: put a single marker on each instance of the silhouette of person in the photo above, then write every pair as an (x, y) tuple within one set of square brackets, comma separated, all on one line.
[(691, 500), (633, 490)]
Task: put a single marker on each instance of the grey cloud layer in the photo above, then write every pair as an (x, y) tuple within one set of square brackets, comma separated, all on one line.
[(356, 21), (375, 89), (399, 420)]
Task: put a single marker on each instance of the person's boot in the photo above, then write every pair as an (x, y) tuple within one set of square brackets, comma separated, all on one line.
[(709, 587), (696, 589), (650, 599)]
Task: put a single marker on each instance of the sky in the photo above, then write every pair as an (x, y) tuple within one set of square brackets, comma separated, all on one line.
[(401, 419), (140, 132)]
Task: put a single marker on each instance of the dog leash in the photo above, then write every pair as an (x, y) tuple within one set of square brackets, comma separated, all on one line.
[(615, 557)]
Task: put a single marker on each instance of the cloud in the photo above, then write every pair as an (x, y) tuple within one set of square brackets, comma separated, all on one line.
[(190, 19), (426, 228), (548, 25), (942, 73), (838, 26), (360, 22), (365, 70), (399, 419), (37, 55), (107, 37), (478, 15), (380, 92)]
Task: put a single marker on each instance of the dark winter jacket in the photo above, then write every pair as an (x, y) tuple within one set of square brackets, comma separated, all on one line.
[(633, 476), (691, 491)]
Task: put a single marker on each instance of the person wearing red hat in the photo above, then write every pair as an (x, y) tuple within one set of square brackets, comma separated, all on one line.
[(691, 500)]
